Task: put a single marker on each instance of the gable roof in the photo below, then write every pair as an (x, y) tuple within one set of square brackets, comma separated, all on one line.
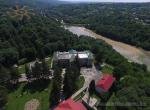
[(106, 82), (70, 105)]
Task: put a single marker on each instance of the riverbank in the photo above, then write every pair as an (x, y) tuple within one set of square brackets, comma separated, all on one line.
[(132, 53)]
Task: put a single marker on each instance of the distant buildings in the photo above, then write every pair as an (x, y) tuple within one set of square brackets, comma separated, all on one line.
[(64, 59), (70, 104), (105, 83)]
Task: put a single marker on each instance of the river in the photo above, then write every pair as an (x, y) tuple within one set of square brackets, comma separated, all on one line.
[(132, 53)]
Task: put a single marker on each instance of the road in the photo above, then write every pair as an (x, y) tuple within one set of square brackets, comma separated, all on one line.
[(89, 74)]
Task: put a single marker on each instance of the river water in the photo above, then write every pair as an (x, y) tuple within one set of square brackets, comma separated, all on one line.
[(132, 53)]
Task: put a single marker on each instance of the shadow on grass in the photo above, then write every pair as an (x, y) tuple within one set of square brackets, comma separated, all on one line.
[(37, 85)]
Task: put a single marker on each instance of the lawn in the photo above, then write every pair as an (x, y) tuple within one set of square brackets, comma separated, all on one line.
[(18, 98), (80, 82), (107, 69)]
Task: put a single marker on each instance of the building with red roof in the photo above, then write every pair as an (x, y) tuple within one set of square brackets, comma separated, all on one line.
[(105, 83), (70, 104)]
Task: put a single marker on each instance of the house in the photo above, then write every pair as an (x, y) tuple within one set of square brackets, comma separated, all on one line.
[(85, 58), (70, 104), (64, 59), (105, 83)]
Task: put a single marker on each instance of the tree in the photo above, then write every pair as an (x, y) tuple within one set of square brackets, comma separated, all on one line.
[(71, 76), (30, 53), (3, 96), (28, 71), (37, 69), (45, 68), (8, 56), (92, 87), (55, 95), (4, 76), (112, 103), (122, 69), (14, 74)]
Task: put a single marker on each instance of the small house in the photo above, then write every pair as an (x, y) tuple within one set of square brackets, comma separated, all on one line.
[(105, 83)]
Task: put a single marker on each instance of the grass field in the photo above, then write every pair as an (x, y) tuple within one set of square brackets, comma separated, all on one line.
[(18, 98), (80, 82)]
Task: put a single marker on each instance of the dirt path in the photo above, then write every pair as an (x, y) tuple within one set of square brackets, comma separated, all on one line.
[(32, 105)]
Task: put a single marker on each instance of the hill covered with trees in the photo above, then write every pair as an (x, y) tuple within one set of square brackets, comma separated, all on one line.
[(129, 23), (26, 34)]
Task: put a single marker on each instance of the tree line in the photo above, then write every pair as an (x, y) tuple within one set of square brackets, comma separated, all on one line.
[(24, 40), (127, 23)]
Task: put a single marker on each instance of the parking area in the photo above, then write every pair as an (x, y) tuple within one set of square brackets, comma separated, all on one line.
[(90, 74)]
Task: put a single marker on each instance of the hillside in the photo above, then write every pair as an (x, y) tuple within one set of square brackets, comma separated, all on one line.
[(129, 23), (28, 32)]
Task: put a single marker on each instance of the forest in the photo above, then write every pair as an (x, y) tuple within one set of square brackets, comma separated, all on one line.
[(26, 34), (129, 23)]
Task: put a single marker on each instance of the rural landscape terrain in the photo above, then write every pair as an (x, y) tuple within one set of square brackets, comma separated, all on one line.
[(59, 55)]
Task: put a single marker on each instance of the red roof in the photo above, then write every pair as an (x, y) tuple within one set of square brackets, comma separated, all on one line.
[(106, 82), (70, 105)]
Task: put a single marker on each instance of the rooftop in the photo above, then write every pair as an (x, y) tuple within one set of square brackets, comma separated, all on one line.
[(106, 82), (72, 54), (63, 55), (70, 105), (82, 55)]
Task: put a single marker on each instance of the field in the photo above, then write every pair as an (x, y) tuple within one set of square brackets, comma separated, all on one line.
[(18, 98)]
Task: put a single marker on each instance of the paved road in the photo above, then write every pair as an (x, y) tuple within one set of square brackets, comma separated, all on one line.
[(89, 74)]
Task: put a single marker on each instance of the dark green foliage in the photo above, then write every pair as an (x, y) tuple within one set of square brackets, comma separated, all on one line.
[(4, 76), (92, 87), (71, 76), (28, 71), (42, 35), (14, 74), (55, 95), (128, 23), (39, 70), (3, 96)]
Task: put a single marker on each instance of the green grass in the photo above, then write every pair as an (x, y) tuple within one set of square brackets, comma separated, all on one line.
[(107, 69), (80, 82), (17, 99)]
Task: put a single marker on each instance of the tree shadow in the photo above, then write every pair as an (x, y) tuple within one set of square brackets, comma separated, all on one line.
[(37, 85), (12, 87)]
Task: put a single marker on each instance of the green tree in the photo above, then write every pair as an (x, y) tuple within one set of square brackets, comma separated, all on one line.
[(3, 96), (45, 68), (4, 76), (55, 95), (30, 53)]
